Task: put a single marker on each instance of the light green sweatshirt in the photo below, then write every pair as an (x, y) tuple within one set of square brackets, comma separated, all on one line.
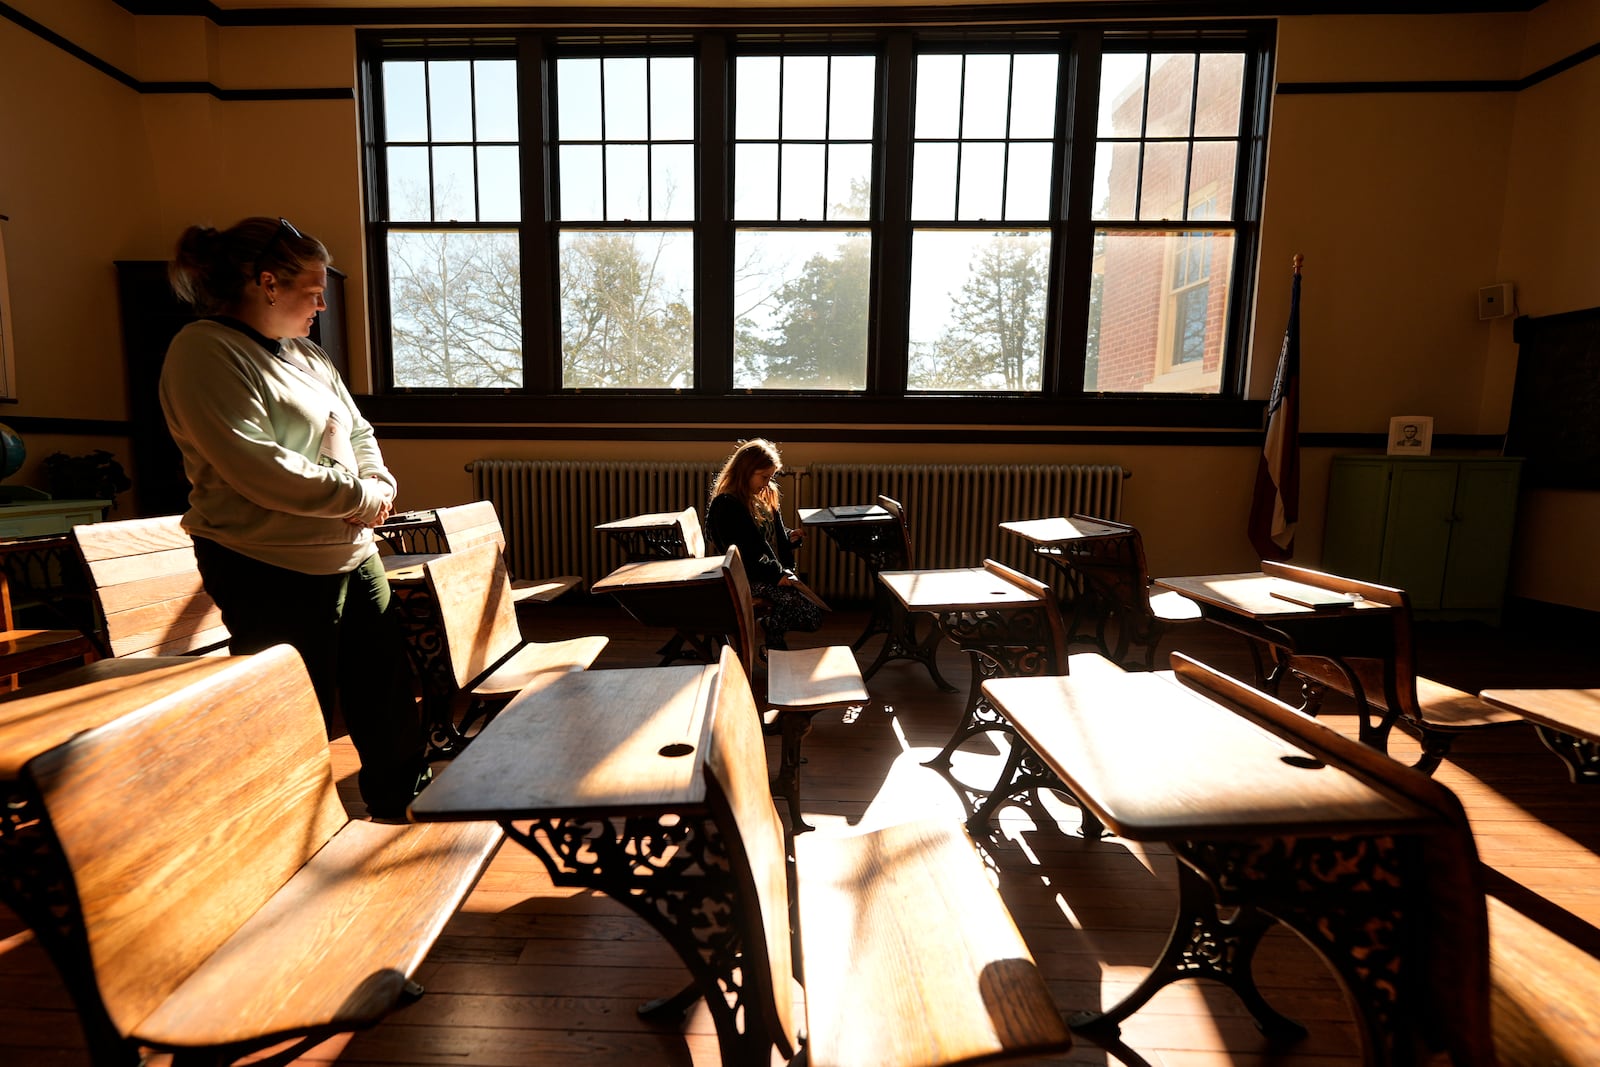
[(250, 425)]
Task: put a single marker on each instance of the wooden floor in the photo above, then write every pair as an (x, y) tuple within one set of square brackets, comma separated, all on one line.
[(532, 974)]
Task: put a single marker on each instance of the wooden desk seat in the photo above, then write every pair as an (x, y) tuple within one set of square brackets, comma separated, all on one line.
[(909, 955), (1436, 713), (227, 901), (801, 682), (488, 658), (147, 589)]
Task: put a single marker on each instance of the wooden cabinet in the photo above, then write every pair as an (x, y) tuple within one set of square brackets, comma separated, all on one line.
[(1438, 527), (151, 314)]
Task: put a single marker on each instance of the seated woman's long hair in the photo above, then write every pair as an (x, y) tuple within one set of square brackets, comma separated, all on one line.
[(756, 454)]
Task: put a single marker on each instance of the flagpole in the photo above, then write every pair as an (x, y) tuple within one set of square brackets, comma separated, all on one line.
[(1275, 500)]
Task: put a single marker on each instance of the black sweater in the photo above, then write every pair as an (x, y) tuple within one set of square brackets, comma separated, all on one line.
[(729, 523)]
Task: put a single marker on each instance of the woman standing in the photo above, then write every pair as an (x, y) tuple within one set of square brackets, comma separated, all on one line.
[(286, 483), (744, 511)]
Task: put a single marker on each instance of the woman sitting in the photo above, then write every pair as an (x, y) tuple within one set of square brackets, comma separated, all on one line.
[(744, 512)]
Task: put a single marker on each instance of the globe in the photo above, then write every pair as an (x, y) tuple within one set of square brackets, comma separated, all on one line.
[(12, 451)]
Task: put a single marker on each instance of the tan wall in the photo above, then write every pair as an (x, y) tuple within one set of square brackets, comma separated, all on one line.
[(1403, 205)]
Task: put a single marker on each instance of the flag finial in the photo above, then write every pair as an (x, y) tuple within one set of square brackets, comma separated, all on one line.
[(1298, 259)]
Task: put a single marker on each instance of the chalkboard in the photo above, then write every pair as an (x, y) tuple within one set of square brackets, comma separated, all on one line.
[(1555, 408)]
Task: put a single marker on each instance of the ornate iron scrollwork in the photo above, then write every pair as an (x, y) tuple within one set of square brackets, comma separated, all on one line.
[(674, 872)]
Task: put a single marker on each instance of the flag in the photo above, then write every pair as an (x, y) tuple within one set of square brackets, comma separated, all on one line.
[(1275, 505)]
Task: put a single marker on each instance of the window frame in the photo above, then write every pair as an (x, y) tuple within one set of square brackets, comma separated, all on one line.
[(885, 402)]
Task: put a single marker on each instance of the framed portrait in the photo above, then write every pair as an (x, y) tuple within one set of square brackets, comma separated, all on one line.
[(1411, 435)]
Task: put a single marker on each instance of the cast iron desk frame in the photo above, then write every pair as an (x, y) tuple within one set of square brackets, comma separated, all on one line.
[(658, 535), (1358, 629), (1349, 878), (651, 590), (1079, 604), (1566, 720), (875, 538), (1004, 630), (601, 774), (424, 637)]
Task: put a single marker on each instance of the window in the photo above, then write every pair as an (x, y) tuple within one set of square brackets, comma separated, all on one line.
[(1167, 150), (983, 154), (451, 163), (926, 221), (625, 167), (802, 199)]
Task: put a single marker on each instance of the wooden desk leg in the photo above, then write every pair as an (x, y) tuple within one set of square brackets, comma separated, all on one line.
[(36, 884), (675, 875)]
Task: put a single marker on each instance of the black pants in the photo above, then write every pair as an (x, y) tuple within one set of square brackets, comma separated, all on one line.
[(345, 629)]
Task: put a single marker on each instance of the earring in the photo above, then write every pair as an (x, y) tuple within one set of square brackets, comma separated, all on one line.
[(272, 301)]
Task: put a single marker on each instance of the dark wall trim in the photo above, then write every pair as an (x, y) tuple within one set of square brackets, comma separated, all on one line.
[(1505, 85), (424, 431), (46, 34), (1442, 442), (729, 15), (26, 424), (936, 413), (840, 435)]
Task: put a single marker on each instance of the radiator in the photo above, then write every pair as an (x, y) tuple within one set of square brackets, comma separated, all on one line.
[(953, 512), (550, 509)]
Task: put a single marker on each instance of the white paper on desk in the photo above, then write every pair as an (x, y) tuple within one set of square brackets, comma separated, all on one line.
[(851, 511), (336, 447)]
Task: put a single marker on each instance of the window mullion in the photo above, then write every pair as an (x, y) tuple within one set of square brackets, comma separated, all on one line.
[(891, 253), (541, 335), (713, 243), (1077, 121)]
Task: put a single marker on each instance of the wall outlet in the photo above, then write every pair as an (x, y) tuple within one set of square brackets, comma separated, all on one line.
[(1494, 301)]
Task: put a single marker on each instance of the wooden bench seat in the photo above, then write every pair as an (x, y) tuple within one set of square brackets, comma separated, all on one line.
[(228, 902), (1436, 713), (909, 956)]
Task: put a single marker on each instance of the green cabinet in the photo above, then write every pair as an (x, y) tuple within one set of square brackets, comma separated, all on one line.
[(1440, 528)]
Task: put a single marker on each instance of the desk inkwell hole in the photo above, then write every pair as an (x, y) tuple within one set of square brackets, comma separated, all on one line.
[(1306, 763), (676, 748)]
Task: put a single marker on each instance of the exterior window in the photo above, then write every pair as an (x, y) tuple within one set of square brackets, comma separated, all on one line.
[(983, 155), (802, 200), (1167, 148), (452, 164), (625, 128), (649, 224)]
